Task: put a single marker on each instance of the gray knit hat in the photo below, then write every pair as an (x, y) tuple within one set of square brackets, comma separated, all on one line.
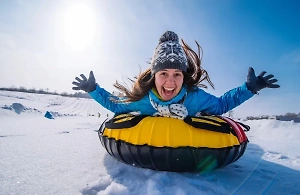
[(168, 54)]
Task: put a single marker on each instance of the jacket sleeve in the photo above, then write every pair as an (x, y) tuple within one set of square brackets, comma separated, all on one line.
[(103, 97), (220, 105)]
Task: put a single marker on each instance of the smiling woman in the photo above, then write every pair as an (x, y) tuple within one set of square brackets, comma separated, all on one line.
[(79, 26)]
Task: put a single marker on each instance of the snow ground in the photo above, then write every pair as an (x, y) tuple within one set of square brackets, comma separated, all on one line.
[(64, 155)]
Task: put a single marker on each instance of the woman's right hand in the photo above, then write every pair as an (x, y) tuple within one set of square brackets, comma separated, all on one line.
[(87, 85)]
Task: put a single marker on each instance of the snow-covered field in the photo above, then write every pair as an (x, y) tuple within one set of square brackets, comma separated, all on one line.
[(64, 155)]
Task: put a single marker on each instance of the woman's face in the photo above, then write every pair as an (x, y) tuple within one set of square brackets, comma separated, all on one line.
[(168, 83)]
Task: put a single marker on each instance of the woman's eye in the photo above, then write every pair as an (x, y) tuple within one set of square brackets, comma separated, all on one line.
[(178, 74)]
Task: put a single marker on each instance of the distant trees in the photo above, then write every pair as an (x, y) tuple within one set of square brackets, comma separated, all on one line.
[(258, 117), (289, 114), (42, 91), (23, 89)]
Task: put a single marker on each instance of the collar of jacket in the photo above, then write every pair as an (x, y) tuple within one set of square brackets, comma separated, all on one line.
[(174, 100)]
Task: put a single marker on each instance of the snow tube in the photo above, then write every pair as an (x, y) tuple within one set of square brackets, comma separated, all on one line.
[(195, 144)]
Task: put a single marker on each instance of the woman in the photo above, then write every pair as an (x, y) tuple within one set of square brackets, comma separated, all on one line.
[(171, 86)]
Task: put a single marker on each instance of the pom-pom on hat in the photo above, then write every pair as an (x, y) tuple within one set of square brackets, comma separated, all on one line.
[(168, 54)]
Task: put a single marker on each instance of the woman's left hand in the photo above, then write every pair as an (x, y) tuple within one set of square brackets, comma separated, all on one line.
[(256, 83)]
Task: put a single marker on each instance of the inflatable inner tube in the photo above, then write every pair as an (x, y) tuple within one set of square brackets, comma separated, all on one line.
[(195, 144)]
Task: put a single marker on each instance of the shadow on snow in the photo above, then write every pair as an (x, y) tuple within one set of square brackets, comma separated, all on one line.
[(249, 175)]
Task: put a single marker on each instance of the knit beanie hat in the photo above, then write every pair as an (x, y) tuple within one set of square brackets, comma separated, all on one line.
[(168, 54)]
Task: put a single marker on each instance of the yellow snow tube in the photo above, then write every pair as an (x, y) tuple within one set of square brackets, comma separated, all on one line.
[(168, 144)]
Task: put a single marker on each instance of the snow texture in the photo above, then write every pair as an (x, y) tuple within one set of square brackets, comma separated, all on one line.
[(65, 156)]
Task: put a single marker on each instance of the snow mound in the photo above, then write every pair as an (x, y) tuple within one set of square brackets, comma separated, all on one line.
[(18, 108)]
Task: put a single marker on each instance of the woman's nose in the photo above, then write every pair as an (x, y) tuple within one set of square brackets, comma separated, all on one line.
[(170, 79)]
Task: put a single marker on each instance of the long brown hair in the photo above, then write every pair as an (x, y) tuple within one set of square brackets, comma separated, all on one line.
[(193, 78)]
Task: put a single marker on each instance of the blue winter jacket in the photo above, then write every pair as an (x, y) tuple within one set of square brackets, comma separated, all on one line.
[(195, 101)]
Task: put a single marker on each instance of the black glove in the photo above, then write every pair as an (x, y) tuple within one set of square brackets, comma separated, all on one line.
[(87, 85), (256, 83)]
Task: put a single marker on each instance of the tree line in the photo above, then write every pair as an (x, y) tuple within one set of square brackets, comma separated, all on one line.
[(45, 91), (289, 114)]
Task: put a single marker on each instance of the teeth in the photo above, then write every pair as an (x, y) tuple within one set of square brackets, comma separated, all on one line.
[(169, 89)]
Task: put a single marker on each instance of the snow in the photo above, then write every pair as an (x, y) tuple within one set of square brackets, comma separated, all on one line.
[(64, 155)]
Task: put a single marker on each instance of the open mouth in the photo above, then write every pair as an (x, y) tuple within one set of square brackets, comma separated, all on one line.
[(168, 91)]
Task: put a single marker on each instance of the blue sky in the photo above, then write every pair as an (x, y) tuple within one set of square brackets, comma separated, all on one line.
[(45, 44)]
